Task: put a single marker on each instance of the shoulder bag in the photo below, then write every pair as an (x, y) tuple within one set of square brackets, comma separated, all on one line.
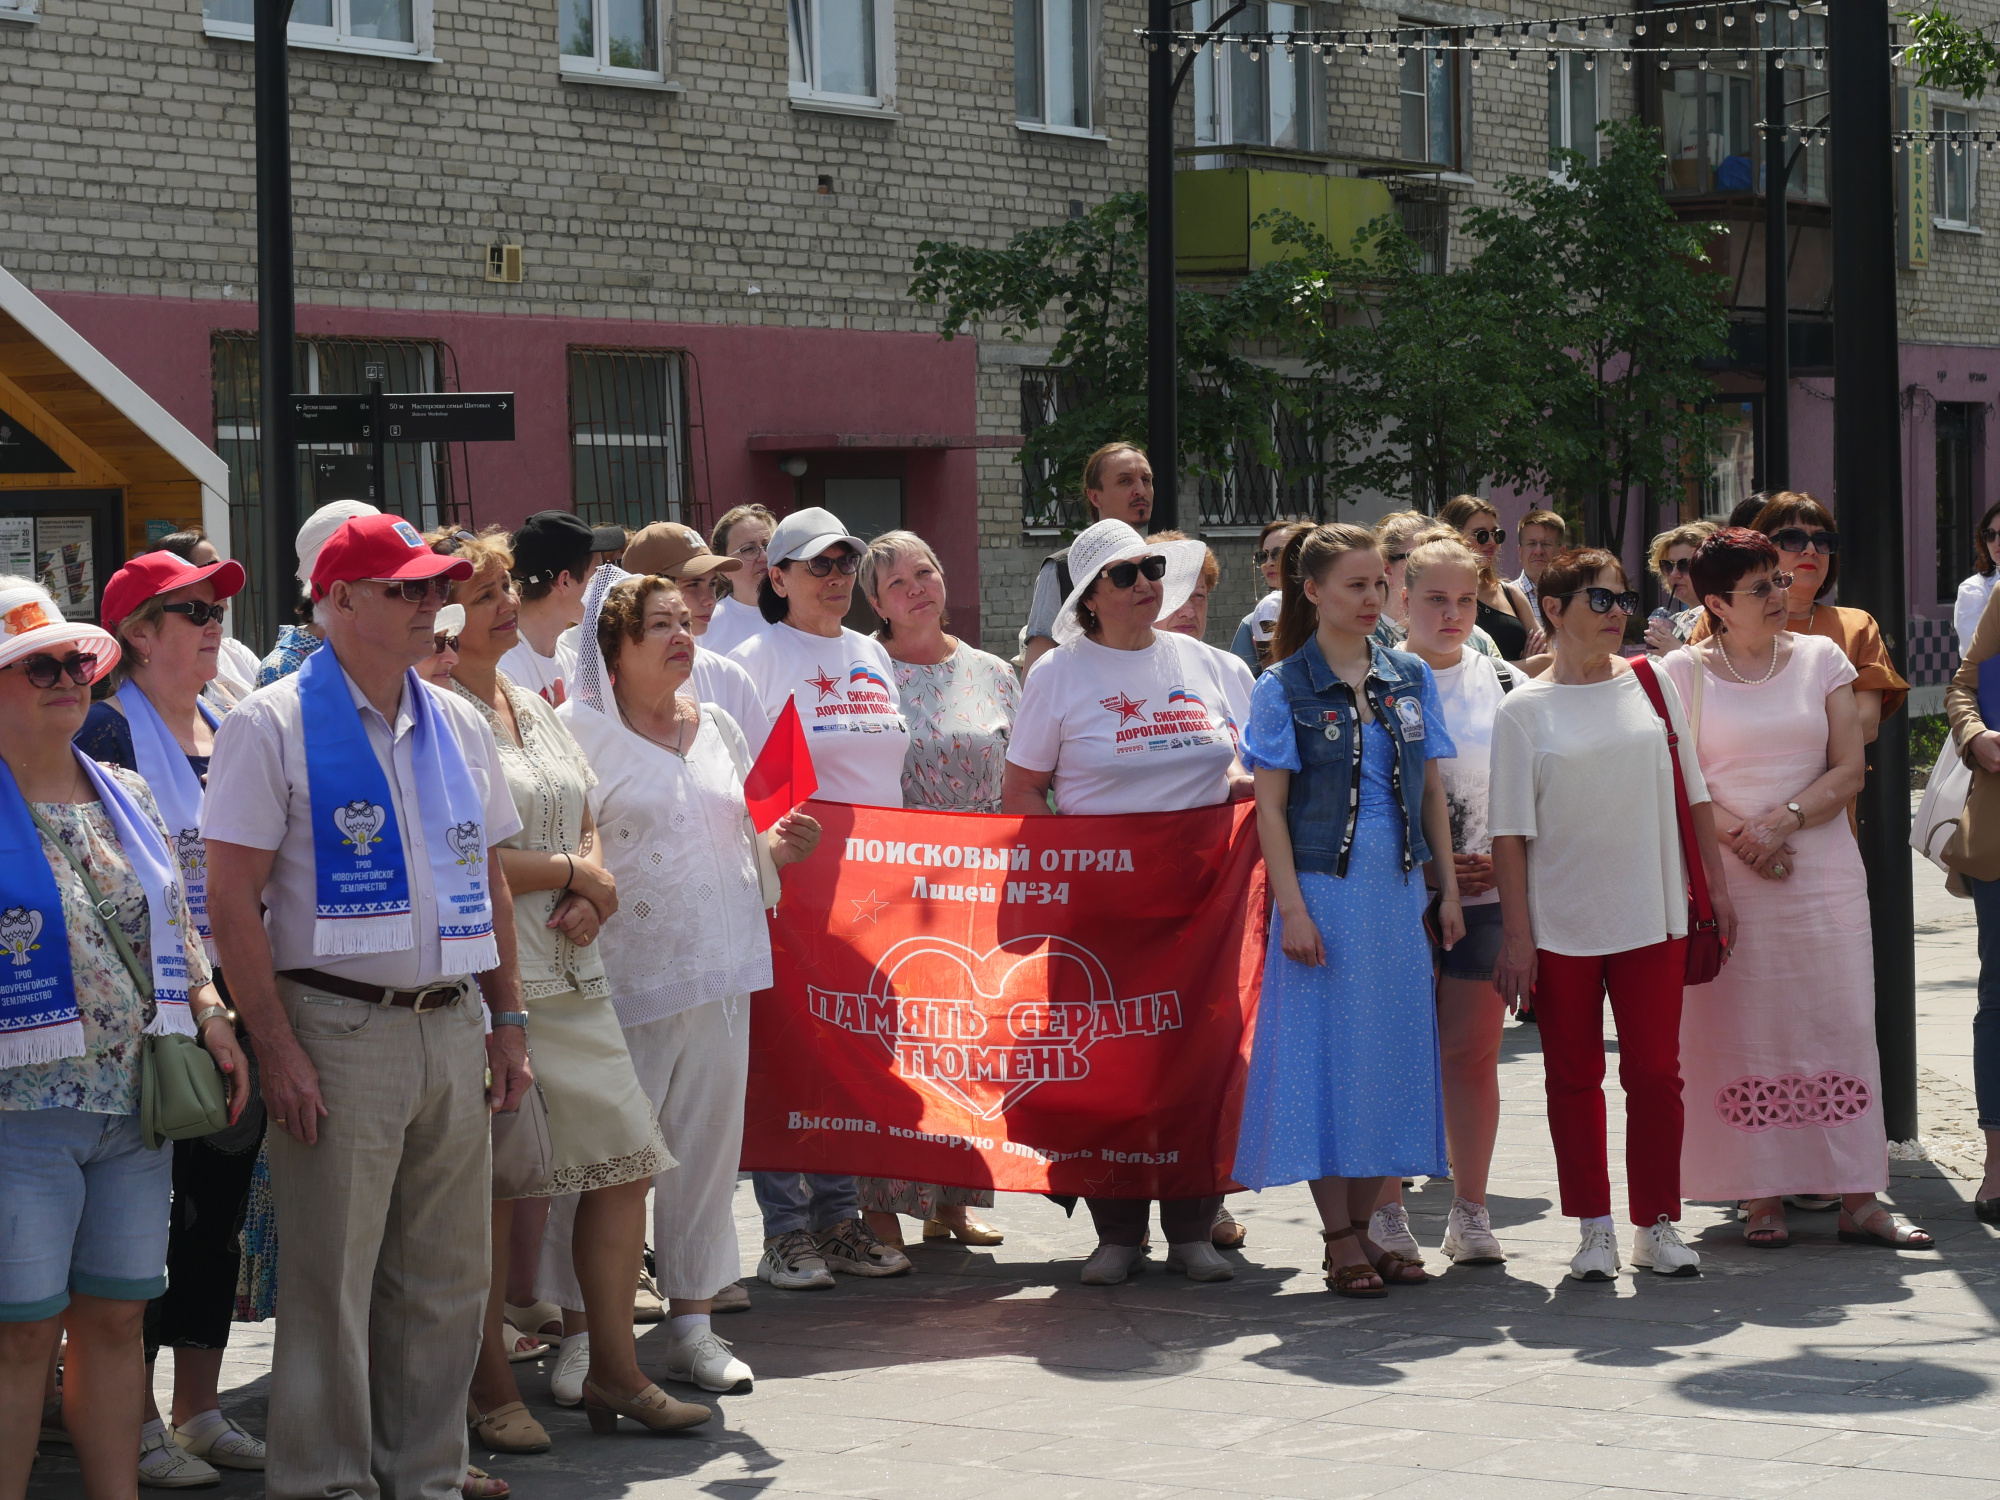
[(1704, 938), (181, 1091)]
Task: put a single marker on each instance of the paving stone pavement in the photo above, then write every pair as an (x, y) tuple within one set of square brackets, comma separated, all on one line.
[(1824, 1371)]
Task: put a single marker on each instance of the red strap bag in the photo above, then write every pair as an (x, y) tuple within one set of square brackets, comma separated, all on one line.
[(1704, 940)]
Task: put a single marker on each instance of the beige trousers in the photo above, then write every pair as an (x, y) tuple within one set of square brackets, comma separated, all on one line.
[(386, 1253)]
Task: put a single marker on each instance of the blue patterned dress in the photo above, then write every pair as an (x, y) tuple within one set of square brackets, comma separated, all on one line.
[(1344, 1068)]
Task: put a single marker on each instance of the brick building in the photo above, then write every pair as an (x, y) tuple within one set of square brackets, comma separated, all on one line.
[(712, 209)]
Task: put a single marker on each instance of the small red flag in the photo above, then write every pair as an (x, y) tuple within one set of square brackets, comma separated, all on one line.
[(783, 776)]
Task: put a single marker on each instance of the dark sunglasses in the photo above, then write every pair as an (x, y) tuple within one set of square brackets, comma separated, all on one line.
[(1777, 583), (1122, 575), (1991, 537), (821, 567), (1602, 600), (1392, 558), (1269, 555), (198, 611), (1681, 565), (416, 590), (442, 642), (45, 671), (1798, 539), (1483, 536)]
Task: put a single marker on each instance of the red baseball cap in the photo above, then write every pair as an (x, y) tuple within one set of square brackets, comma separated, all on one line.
[(386, 547), (151, 574)]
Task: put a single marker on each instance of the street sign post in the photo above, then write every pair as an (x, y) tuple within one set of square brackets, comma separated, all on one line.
[(407, 417)]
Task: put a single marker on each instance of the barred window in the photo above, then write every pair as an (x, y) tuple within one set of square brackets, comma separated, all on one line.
[(628, 426), (1427, 220), (1045, 395)]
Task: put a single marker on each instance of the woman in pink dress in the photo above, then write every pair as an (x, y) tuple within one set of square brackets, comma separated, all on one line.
[(1780, 1074)]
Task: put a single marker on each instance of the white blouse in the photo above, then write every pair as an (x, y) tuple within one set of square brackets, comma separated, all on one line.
[(690, 927)]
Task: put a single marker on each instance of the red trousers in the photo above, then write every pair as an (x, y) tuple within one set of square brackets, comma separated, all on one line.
[(1645, 986)]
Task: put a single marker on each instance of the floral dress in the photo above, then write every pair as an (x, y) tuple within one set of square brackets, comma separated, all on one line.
[(960, 712)]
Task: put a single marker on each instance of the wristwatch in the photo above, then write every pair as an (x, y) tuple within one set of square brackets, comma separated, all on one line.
[(1796, 811), (511, 1018), (209, 1012)]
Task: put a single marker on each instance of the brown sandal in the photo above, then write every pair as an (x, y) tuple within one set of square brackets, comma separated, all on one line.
[(1340, 1280), (1395, 1267)]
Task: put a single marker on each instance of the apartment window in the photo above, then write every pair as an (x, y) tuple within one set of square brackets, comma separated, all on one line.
[(1266, 97), (1428, 84), (612, 39), (1957, 171), (627, 428), (1427, 221), (1572, 110), (842, 51), (397, 27), (1053, 44), (1961, 430)]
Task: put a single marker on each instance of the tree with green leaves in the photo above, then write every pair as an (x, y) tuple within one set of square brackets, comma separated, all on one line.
[(1949, 54)]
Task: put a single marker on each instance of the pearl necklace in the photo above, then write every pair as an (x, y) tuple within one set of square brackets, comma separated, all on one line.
[(1769, 671)]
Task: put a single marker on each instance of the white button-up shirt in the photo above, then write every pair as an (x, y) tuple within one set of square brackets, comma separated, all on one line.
[(258, 797)]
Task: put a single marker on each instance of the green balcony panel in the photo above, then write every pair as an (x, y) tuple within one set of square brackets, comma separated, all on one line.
[(1215, 213)]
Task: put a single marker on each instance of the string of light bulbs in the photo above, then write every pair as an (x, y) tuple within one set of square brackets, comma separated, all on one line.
[(1400, 42)]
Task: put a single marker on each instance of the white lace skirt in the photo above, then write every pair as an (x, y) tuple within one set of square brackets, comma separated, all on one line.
[(600, 1122)]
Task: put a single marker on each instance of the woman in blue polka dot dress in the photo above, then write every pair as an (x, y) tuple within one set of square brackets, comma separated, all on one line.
[(1343, 1089)]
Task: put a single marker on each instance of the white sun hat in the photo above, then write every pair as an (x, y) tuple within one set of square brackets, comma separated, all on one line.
[(31, 622), (1115, 541)]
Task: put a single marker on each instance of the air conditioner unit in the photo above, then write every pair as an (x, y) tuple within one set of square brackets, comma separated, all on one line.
[(503, 262)]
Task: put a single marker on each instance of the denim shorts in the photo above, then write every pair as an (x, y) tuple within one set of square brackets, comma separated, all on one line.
[(1477, 954), (83, 1207)]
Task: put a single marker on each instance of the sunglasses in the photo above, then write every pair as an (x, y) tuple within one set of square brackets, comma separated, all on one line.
[(1122, 575), (1392, 558), (1482, 535), (198, 611), (442, 642), (1269, 555), (1681, 565), (416, 590), (1798, 539), (821, 567), (1991, 537), (45, 671), (1602, 600), (1777, 583)]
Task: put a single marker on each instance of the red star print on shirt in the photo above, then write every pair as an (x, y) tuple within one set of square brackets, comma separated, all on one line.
[(827, 686), (1126, 708)]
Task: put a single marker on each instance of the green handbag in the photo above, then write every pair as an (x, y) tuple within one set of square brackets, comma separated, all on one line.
[(182, 1093)]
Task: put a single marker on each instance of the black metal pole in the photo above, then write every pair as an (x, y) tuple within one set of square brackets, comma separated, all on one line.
[(1777, 464), (1162, 413), (1867, 483), (378, 475), (277, 463)]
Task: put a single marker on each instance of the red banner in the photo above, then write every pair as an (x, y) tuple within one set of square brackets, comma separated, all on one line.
[(1032, 1004)]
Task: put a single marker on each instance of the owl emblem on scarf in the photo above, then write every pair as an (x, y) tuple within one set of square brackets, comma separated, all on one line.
[(360, 824), (191, 852), (170, 897), (468, 842), (19, 927)]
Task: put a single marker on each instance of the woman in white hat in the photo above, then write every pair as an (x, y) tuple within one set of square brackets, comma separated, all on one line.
[(1111, 670)]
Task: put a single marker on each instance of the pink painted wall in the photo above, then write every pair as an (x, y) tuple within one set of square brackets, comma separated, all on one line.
[(744, 380)]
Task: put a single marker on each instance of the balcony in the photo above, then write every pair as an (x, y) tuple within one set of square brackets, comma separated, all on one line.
[(1216, 213)]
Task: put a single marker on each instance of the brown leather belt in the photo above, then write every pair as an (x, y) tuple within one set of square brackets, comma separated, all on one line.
[(435, 997)]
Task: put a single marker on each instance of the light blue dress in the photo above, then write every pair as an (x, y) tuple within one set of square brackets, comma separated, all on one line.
[(1344, 1067)]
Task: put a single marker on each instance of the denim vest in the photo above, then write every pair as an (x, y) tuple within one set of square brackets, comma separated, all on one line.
[(1325, 798)]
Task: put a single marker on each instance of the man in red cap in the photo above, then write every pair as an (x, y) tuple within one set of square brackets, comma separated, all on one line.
[(360, 809)]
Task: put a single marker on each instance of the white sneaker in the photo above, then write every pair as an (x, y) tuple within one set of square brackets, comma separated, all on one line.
[(572, 1365), (165, 1465), (1389, 1227), (1468, 1236), (1659, 1248), (1200, 1261), (1110, 1264), (1597, 1258), (703, 1358), (792, 1263), (223, 1444)]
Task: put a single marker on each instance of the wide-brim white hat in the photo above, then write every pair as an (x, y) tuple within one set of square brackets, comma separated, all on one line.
[(1116, 541), (31, 622)]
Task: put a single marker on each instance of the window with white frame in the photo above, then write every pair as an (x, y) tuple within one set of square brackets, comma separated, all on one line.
[(1572, 109), (1053, 44), (612, 39), (1956, 169), (843, 51), (1428, 84), (1256, 95), (397, 27)]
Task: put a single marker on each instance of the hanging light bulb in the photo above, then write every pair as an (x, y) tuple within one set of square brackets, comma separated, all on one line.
[(1437, 58), (1513, 56), (1673, 26), (1792, 14), (1778, 59), (1703, 62), (1402, 54), (1896, 147), (1626, 62), (1475, 57), (1759, 17), (1640, 29), (1589, 62), (1729, 18), (1663, 64), (1819, 57)]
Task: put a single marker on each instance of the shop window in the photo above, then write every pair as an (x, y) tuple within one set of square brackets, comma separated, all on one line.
[(615, 40), (400, 27), (1428, 86), (1266, 97), (842, 52), (1053, 44), (627, 433), (1957, 169), (1573, 112), (1961, 434)]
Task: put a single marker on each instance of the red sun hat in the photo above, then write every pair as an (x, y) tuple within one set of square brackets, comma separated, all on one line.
[(151, 574), (384, 547)]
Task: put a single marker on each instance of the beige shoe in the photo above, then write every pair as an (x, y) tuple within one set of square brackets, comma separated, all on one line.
[(536, 1317), (652, 1408), (646, 1304), (507, 1429), (223, 1444), (971, 1232), (731, 1299)]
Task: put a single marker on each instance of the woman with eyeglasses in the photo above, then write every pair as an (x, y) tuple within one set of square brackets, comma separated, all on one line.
[(606, 1145), (85, 1235), (742, 535), (1253, 633), (1778, 1057), (1504, 612), (159, 722), (1978, 586), (1591, 868), (1671, 555), (1115, 685)]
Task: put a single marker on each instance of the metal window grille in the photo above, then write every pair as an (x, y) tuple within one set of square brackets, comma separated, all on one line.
[(1427, 220), (419, 481), (629, 423), (1961, 434), (1045, 395)]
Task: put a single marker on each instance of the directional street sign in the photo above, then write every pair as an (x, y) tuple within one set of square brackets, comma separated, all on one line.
[(343, 476), (332, 419), (449, 417)]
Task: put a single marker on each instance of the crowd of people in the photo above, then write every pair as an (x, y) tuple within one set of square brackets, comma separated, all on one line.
[(458, 889)]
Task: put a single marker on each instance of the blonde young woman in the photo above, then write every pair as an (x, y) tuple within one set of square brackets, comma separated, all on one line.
[(1671, 557), (1504, 611), (1395, 537)]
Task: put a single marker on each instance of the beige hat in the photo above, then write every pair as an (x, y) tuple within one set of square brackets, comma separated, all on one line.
[(674, 551), (322, 524)]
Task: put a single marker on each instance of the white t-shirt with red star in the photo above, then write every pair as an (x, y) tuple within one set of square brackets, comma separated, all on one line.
[(845, 686), (1127, 731)]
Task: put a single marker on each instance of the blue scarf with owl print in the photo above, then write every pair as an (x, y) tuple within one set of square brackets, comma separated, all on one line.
[(177, 790), (360, 858)]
